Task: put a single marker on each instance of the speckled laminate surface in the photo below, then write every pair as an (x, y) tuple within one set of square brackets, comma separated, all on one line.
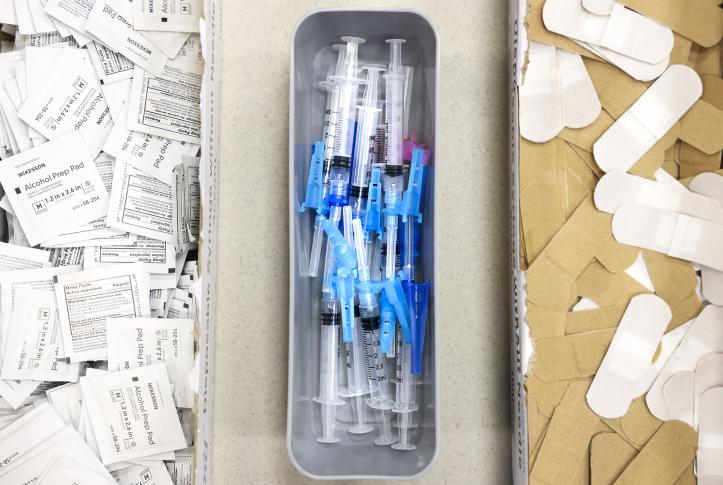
[(251, 362)]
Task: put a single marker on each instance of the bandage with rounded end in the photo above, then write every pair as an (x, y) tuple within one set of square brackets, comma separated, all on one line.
[(638, 70), (663, 458), (557, 92), (617, 188), (626, 363), (703, 336), (712, 285), (668, 344), (708, 374), (649, 119), (598, 7), (622, 31), (678, 394), (709, 459), (671, 233)]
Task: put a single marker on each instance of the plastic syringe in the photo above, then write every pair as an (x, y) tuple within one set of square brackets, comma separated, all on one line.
[(329, 131), (366, 131), (347, 84), (379, 398), (357, 383), (332, 111), (393, 171), (328, 368), (405, 402)]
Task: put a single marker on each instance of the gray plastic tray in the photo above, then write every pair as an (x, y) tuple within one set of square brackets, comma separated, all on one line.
[(311, 58)]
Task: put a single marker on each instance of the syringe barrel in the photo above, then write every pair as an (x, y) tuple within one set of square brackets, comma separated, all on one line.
[(357, 384), (405, 388), (366, 132), (331, 119), (394, 118), (329, 357), (376, 372), (346, 116), (315, 254)]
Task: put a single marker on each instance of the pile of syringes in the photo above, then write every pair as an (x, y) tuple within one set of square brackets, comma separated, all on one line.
[(366, 182)]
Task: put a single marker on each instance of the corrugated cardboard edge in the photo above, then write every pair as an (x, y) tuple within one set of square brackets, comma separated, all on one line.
[(207, 250), (517, 46)]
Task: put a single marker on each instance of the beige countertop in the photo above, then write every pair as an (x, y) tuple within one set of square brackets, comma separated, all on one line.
[(472, 179)]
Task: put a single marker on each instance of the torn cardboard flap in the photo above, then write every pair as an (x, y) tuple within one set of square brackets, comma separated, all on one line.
[(567, 440), (664, 457)]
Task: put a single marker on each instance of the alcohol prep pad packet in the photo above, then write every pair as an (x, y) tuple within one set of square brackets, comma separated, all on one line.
[(132, 413)]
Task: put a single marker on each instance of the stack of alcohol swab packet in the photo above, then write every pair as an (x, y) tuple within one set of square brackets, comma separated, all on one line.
[(99, 217), (621, 230)]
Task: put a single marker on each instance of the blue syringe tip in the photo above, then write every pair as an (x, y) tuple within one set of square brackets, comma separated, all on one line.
[(343, 252), (420, 295), (373, 216), (412, 196), (388, 320), (314, 187)]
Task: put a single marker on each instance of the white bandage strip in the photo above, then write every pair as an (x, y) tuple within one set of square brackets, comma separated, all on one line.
[(709, 459), (703, 336), (617, 188), (678, 392), (677, 235), (708, 374), (711, 185), (623, 370), (557, 92), (649, 119), (622, 31)]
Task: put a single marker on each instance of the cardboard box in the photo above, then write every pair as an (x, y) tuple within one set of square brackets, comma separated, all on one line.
[(577, 249), (207, 250)]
